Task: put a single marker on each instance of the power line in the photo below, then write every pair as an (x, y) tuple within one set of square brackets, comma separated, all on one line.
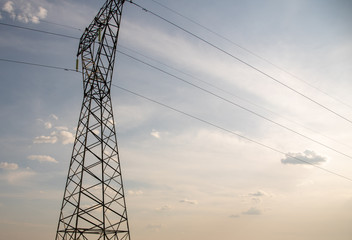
[(246, 109), (231, 132), (198, 119), (209, 92), (236, 104), (251, 52), (233, 95), (37, 65), (63, 35), (41, 31), (196, 86), (59, 24), (213, 32), (242, 61)]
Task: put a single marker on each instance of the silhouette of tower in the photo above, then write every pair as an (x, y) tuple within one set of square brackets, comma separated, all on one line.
[(93, 205)]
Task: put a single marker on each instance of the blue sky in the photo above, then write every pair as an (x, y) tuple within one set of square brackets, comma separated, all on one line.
[(185, 178)]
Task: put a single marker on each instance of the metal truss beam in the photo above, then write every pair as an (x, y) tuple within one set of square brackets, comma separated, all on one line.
[(94, 206)]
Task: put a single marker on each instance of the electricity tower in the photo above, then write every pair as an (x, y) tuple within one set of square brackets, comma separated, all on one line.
[(93, 206)]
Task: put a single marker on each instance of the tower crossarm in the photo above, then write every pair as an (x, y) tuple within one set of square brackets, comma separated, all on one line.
[(94, 31), (97, 49)]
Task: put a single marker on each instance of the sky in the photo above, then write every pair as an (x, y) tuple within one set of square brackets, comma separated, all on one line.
[(256, 85)]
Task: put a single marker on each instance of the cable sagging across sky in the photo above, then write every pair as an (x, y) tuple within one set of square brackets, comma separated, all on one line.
[(236, 104), (195, 118), (250, 52), (244, 62), (72, 37)]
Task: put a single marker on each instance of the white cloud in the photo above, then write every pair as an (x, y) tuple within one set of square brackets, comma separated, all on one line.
[(42, 13), (54, 116), (25, 11), (66, 137), (165, 208), (16, 177), (139, 192), (155, 134), (234, 216), (155, 227), (256, 200), (61, 133), (45, 139), (42, 158), (0, 16), (48, 125), (61, 128), (253, 211), (63, 136), (308, 157), (192, 202), (258, 194), (256, 197), (8, 166), (8, 7)]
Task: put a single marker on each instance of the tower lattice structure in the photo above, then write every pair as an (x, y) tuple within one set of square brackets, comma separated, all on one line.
[(94, 206)]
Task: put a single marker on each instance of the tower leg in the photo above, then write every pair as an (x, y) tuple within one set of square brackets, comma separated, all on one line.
[(93, 206)]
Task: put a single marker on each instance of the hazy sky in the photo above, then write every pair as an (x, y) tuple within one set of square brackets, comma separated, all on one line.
[(187, 178)]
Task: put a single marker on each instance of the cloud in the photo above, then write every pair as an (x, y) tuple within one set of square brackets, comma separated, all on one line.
[(53, 116), (155, 227), (61, 128), (165, 208), (24, 11), (234, 216), (8, 7), (256, 200), (258, 194), (155, 134), (139, 192), (42, 13), (308, 157), (45, 139), (63, 136), (48, 125), (15, 177), (42, 158), (252, 211), (60, 134), (8, 166), (192, 202)]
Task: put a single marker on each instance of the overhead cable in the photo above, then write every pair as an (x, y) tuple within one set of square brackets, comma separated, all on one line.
[(233, 95), (250, 52), (218, 96), (235, 104), (232, 132), (41, 31), (212, 85), (203, 121), (37, 65), (242, 61), (301, 94)]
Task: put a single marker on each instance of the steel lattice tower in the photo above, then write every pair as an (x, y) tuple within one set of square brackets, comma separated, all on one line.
[(93, 205)]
